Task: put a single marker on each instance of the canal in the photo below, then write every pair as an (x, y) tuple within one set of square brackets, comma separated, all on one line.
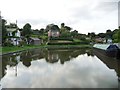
[(59, 68)]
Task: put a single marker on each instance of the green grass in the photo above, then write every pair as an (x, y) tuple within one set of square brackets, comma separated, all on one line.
[(76, 40), (5, 50), (16, 48)]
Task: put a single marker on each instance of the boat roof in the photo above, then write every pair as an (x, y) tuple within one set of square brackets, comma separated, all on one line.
[(102, 46)]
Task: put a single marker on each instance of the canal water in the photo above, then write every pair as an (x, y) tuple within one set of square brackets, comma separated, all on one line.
[(59, 68)]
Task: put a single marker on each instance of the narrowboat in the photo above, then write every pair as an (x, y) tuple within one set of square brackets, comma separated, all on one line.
[(111, 50)]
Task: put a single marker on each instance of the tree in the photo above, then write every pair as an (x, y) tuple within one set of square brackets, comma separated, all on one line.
[(62, 29), (102, 35), (62, 25), (67, 28), (27, 31), (109, 34), (4, 31), (116, 35), (41, 31), (91, 35), (119, 34), (74, 33)]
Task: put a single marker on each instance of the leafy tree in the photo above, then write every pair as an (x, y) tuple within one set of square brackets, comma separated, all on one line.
[(67, 28), (102, 35), (116, 35), (74, 33), (62, 25), (119, 34), (41, 31), (92, 35), (27, 31), (109, 34), (4, 31)]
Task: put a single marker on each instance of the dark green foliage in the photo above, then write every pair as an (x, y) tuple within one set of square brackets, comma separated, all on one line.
[(74, 33), (4, 31), (41, 32), (8, 43), (27, 30), (116, 35), (102, 35), (109, 34)]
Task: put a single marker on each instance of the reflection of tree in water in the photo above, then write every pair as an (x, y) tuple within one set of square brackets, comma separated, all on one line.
[(50, 55), (10, 60), (26, 58), (90, 52)]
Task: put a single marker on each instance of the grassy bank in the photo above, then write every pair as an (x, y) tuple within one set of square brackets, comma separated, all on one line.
[(17, 49)]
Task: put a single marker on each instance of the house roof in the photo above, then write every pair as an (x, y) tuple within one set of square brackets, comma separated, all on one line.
[(11, 29), (53, 27), (34, 38)]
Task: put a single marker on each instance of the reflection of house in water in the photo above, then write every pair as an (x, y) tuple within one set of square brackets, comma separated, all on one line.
[(54, 55)]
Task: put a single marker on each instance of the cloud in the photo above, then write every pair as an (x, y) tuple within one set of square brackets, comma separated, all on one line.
[(81, 72), (119, 13), (77, 14)]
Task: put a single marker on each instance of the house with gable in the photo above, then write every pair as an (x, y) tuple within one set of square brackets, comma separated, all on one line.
[(53, 31), (14, 33)]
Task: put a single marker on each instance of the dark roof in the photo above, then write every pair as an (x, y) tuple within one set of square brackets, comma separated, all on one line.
[(113, 47)]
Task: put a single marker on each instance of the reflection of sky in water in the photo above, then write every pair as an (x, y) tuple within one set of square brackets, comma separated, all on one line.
[(83, 72)]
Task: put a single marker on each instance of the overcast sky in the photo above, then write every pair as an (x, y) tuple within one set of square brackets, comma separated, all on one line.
[(82, 15)]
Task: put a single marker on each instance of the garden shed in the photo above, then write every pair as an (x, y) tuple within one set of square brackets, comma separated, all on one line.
[(35, 41)]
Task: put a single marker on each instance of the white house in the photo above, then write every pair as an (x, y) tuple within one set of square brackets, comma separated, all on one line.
[(13, 33)]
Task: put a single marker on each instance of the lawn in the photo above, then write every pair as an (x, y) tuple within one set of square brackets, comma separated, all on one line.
[(16, 48)]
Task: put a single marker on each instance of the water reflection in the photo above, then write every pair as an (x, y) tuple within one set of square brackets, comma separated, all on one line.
[(50, 56), (58, 68)]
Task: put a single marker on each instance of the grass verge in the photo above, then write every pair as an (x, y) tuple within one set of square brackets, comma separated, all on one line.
[(5, 50)]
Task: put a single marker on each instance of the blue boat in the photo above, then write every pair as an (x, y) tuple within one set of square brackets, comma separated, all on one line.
[(112, 51)]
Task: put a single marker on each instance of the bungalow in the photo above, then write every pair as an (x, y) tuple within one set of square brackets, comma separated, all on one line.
[(13, 33)]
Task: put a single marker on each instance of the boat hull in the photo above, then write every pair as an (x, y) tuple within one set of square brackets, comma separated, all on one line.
[(110, 53)]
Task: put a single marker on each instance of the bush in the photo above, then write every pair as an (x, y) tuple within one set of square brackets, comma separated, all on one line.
[(8, 43)]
